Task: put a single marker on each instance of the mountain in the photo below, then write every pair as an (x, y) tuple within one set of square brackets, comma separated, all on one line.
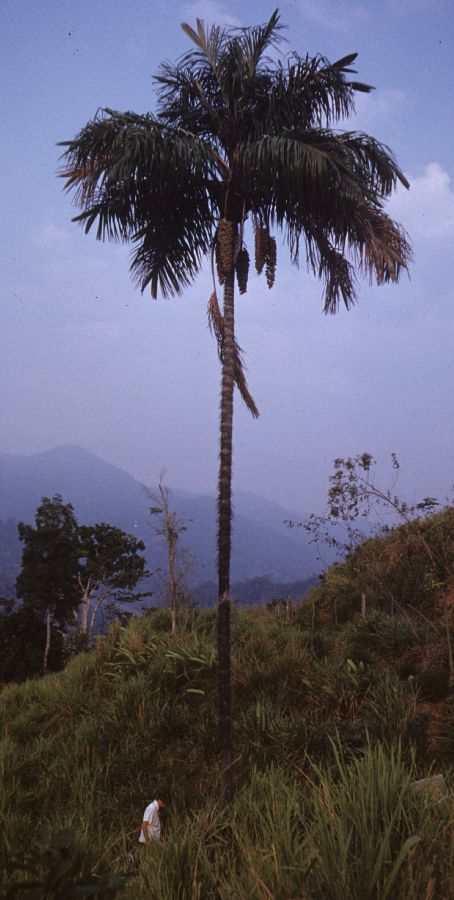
[(100, 492)]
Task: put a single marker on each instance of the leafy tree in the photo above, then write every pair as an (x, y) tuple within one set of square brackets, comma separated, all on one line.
[(22, 638), (110, 568), (71, 570), (237, 138), (48, 581), (9, 557)]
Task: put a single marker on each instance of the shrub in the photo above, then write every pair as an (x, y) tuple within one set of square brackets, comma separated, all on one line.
[(432, 684), (380, 635), (390, 707)]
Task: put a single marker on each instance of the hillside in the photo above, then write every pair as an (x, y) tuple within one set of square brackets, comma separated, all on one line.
[(406, 571), (262, 545), (334, 724), (320, 741)]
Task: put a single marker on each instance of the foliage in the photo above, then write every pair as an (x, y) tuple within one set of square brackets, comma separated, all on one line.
[(22, 638), (238, 135), (110, 566), (52, 870), (354, 494), (405, 570), (9, 557), (48, 576), (379, 634), (68, 570), (317, 742)]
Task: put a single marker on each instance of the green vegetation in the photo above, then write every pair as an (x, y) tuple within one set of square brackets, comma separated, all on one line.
[(68, 573), (405, 571), (342, 704), (333, 725)]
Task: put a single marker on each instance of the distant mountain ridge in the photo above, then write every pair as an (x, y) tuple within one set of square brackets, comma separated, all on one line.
[(99, 491)]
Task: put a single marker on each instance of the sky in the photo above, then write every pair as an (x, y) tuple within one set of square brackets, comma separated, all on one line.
[(86, 359)]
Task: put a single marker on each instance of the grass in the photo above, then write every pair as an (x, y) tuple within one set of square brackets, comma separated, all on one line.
[(325, 762)]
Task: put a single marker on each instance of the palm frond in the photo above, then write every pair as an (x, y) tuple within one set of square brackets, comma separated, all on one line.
[(146, 183), (209, 42), (334, 270), (169, 248), (372, 160), (380, 245), (326, 191), (256, 40), (292, 178)]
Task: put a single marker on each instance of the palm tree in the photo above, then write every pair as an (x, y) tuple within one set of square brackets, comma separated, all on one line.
[(238, 138)]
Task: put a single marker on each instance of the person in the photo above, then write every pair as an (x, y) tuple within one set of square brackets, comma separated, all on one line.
[(151, 824)]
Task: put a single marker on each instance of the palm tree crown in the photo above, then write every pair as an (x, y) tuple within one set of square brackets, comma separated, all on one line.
[(236, 135)]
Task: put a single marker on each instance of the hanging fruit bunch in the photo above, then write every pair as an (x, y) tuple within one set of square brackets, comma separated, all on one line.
[(224, 248), (242, 269), (270, 261), (265, 253), (225, 254)]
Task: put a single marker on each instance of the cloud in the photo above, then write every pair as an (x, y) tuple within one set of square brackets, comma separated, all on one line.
[(427, 209), (49, 235), (210, 11), (336, 15), (378, 105)]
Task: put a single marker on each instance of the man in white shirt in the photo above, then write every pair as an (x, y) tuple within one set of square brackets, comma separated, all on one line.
[(151, 825)]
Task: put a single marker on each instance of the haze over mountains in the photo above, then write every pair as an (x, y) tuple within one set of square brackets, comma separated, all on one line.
[(99, 491)]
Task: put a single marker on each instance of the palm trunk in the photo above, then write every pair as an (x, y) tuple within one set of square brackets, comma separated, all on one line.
[(224, 536), (47, 647)]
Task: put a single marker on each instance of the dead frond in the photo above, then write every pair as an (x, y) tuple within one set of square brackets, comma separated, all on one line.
[(216, 326)]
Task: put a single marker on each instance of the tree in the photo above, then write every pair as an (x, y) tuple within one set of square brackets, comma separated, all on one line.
[(22, 638), (110, 568), (47, 581), (237, 137), (71, 570), (172, 527)]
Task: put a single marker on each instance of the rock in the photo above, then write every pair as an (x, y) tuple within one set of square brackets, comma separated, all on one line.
[(432, 784)]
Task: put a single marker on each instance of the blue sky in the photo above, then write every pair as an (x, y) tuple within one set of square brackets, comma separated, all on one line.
[(87, 359)]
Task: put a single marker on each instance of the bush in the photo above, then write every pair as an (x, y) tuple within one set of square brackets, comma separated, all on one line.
[(380, 635), (54, 868), (160, 619), (432, 684)]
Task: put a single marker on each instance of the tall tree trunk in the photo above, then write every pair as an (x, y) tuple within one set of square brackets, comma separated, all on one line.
[(47, 647), (84, 614), (224, 535)]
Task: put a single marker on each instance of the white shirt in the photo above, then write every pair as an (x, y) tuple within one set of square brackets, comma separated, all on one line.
[(151, 815)]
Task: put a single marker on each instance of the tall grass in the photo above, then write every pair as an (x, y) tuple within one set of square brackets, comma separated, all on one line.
[(355, 830), (85, 749)]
